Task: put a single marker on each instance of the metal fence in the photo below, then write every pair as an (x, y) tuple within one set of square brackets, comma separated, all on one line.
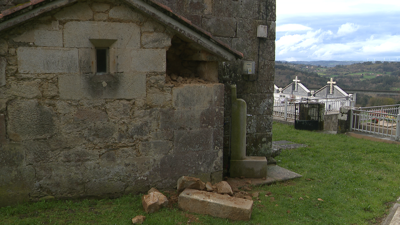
[(378, 120), (285, 107)]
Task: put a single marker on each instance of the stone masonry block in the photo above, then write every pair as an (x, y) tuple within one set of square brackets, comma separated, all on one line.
[(154, 148), (122, 86), (190, 96), (258, 104), (246, 28), (249, 9), (42, 60), (78, 11), (3, 137), (3, 64), (48, 38), (3, 47), (259, 144), (86, 60), (27, 89), (100, 7), (173, 166), (259, 123), (193, 140), (199, 6), (73, 87), (214, 204), (156, 40), (220, 26), (180, 119), (28, 119), (101, 16), (77, 34), (148, 60), (226, 8), (124, 13)]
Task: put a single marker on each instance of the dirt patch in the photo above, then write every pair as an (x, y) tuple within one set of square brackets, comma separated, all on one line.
[(172, 198), (192, 218)]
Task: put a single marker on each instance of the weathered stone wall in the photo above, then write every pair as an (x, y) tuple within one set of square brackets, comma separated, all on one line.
[(235, 22), (331, 122), (68, 133)]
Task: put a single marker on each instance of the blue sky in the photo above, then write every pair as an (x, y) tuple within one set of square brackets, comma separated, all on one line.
[(358, 30)]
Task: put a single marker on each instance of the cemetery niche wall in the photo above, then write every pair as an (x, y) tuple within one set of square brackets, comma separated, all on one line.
[(113, 97)]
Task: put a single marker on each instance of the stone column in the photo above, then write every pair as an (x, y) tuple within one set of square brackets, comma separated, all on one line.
[(238, 139)]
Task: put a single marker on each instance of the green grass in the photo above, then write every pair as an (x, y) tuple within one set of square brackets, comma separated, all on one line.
[(357, 180)]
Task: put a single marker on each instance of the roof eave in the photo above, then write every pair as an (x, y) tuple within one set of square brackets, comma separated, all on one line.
[(32, 13), (184, 27)]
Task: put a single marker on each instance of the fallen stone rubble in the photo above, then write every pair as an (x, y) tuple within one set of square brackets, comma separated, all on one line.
[(154, 201), (218, 200), (138, 219)]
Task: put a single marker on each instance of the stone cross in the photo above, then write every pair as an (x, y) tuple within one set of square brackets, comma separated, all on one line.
[(295, 83), (331, 83), (280, 90)]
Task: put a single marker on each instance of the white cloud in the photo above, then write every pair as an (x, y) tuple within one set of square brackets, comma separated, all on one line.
[(317, 46), (292, 27), (386, 44), (290, 43), (290, 8), (347, 28), (291, 59)]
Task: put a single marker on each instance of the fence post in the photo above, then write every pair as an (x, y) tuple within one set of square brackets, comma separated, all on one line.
[(286, 103), (397, 127), (351, 119)]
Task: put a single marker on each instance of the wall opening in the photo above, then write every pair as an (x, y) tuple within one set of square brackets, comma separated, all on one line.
[(102, 58), (188, 63)]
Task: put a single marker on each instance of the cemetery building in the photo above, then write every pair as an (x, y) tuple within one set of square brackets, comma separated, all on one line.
[(295, 90), (331, 90), (104, 98)]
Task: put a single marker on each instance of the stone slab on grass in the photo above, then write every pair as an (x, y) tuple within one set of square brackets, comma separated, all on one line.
[(275, 174), (213, 204)]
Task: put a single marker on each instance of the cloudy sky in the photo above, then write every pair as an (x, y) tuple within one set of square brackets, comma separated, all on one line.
[(359, 30)]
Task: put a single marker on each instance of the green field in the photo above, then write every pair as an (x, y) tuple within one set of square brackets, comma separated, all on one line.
[(345, 181)]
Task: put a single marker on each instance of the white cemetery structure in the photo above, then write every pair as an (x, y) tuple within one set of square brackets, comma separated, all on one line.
[(331, 94)]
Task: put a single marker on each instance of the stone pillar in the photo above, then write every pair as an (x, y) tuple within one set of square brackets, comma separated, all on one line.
[(344, 120), (238, 139)]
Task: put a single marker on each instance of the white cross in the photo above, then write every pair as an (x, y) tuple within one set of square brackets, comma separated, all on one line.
[(280, 90), (295, 83), (331, 83)]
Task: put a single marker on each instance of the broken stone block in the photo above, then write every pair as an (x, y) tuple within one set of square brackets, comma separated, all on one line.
[(190, 182), (138, 219), (213, 204), (162, 199), (209, 186), (154, 201), (224, 188)]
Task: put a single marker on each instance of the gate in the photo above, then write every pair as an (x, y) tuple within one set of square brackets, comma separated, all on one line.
[(310, 116)]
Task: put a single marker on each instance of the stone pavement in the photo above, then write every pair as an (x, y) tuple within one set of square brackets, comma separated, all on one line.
[(394, 216), (274, 174)]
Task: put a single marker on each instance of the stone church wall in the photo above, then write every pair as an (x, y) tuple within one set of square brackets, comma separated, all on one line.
[(67, 133), (235, 22)]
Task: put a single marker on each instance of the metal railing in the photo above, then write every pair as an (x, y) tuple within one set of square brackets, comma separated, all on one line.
[(284, 107), (377, 120)]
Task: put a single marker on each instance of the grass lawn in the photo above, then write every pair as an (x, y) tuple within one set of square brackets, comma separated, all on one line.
[(345, 181)]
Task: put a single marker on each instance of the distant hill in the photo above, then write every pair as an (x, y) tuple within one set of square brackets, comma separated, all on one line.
[(322, 63), (367, 76), (380, 76)]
